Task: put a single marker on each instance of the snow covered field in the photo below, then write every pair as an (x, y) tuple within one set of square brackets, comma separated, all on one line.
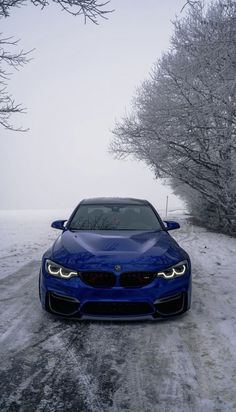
[(50, 364), (24, 235)]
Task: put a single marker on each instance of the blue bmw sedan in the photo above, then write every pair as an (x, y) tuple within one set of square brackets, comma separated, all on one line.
[(115, 259)]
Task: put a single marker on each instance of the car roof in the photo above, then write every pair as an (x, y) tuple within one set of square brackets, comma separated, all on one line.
[(114, 200)]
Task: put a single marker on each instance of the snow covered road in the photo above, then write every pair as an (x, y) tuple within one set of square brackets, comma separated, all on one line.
[(184, 364)]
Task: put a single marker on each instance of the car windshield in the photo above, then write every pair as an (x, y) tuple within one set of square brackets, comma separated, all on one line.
[(114, 217)]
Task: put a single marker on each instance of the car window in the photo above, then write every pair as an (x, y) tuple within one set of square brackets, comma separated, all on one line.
[(115, 217)]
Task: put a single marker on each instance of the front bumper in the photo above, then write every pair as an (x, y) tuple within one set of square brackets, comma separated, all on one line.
[(73, 298)]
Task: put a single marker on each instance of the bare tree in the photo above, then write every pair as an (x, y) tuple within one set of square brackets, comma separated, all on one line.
[(183, 123), (90, 9), (11, 58)]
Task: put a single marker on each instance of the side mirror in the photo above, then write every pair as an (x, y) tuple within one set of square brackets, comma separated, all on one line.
[(58, 224), (170, 225)]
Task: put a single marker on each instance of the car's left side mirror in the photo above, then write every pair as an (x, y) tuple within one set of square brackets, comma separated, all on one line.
[(171, 225), (58, 224)]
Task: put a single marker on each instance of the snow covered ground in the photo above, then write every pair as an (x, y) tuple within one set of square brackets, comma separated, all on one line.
[(24, 235), (50, 364)]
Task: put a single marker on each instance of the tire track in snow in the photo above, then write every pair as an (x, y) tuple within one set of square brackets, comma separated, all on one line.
[(31, 339)]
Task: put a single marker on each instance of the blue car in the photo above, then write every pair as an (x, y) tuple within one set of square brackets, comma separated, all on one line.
[(115, 259)]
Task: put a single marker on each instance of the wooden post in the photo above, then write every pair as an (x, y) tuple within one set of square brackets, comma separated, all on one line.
[(167, 198)]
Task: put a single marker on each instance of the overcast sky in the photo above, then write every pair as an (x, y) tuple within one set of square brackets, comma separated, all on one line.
[(81, 79)]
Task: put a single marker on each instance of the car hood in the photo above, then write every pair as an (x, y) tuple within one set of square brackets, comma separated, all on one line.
[(87, 250)]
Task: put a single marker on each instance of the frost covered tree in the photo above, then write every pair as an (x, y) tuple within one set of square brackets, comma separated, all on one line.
[(183, 119), (11, 58)]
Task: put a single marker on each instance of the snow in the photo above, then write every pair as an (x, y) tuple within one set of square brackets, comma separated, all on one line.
[(50, 364), (25, 235)]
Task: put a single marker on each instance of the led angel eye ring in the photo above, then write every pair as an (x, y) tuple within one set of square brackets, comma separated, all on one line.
[(165, 275), (68, 275), (181, 272), (52, 272)]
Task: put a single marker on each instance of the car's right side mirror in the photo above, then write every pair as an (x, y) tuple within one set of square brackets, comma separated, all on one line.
[(171, 225)]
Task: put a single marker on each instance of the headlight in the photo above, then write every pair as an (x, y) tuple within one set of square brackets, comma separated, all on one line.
[(59, 271), (174, 271)]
